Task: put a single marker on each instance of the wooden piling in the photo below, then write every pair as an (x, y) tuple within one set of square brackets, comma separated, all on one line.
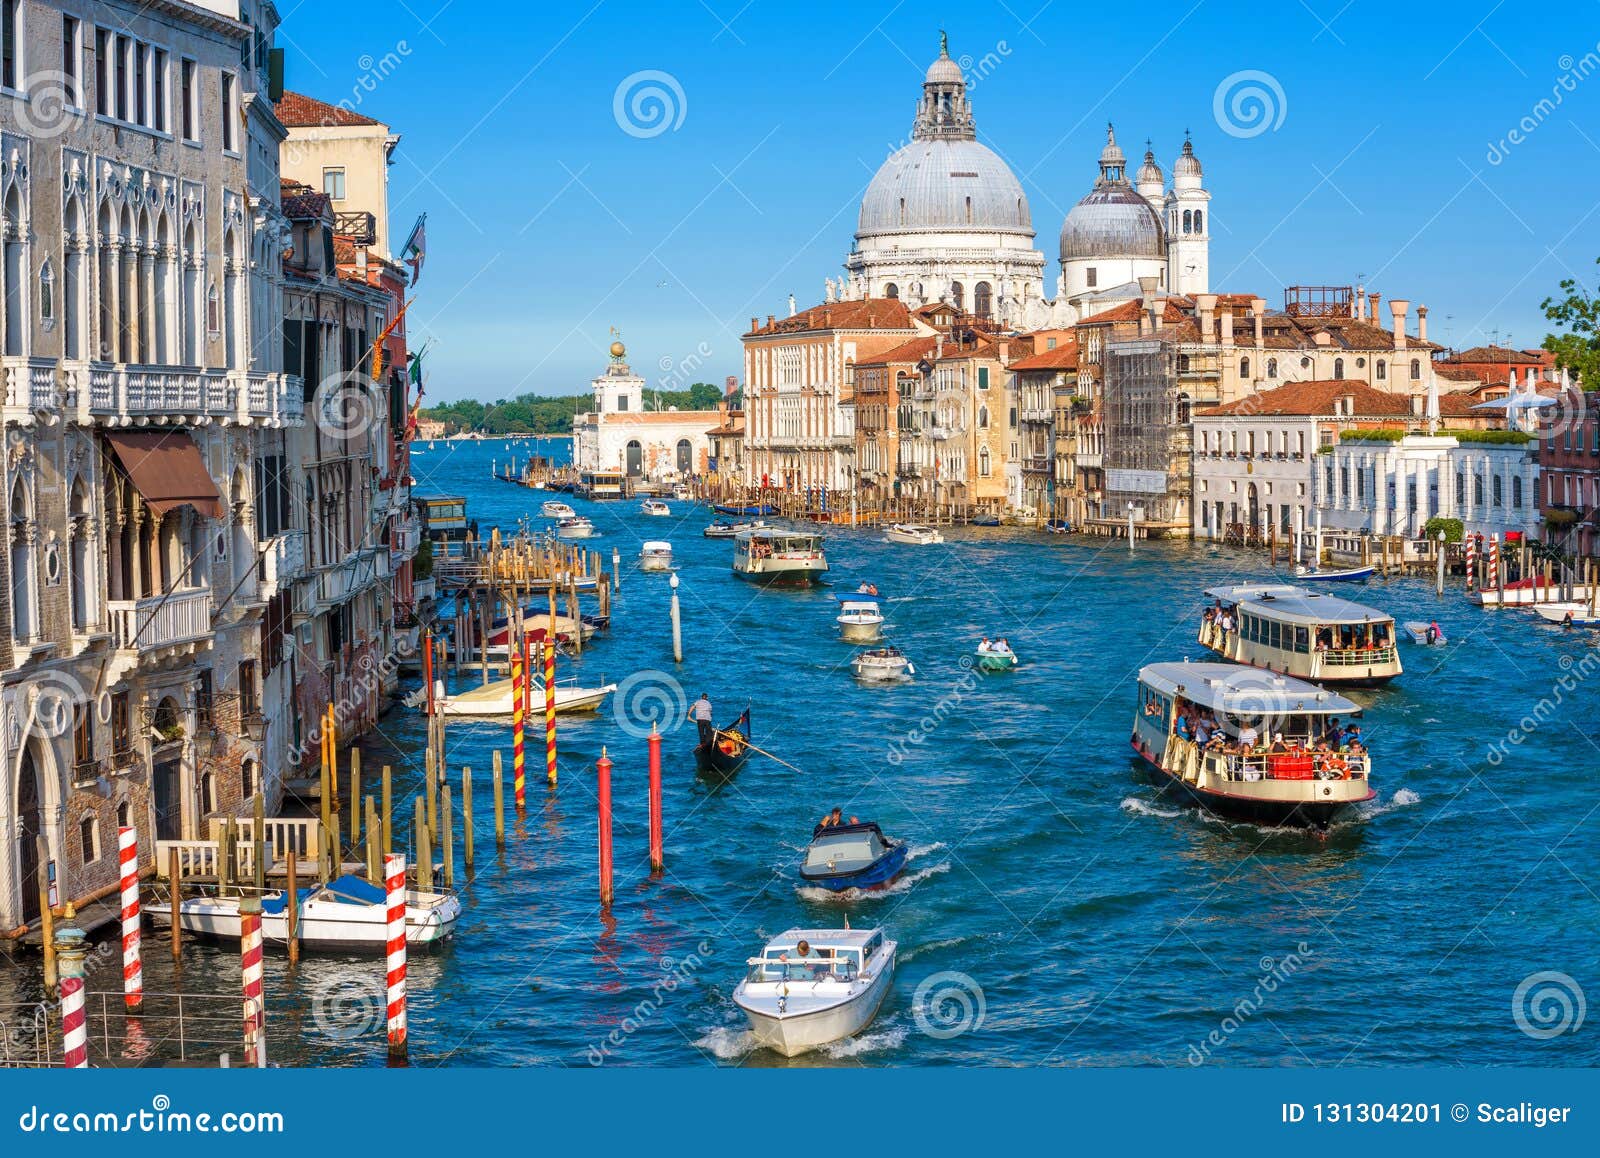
[(258, 842), (355, 799), (499, 805), (374, 831), (466, 817), (47, 917), (424, 850), (447, 838), (388, 816), (175, 899), (428, 794), (225, 855), (291, 906)]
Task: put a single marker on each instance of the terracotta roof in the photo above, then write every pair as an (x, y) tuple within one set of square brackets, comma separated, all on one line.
[(734, 425), (1455, 373), (660, 417), (863, 314), (1172, 311), (298, 111), (1503, 356), (301, 202), (1459, 404), (1063, 357), (913, 351), (1313, 398)]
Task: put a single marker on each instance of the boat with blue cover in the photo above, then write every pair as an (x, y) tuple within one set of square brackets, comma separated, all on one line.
[(744, 508), (853, 856)]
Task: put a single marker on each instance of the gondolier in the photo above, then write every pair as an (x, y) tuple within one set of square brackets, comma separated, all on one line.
[(700, 713)]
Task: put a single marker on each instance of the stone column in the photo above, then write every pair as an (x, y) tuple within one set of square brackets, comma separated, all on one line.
[(147, 304)]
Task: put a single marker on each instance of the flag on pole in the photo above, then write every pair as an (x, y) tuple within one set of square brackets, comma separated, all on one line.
[(377, 346), (416, 248)]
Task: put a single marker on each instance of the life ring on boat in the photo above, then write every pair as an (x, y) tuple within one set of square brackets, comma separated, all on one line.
[(1338, 766)]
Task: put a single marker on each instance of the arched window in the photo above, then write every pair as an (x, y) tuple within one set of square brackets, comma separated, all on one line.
[(1199, 224), (21, 545), (891, 290), (1338, 367), (1272, 367), (81, 558), (957, 296), (1516, 493), (1499, 492), (902, 211), (983, 462), (981, 299), (983, 418), (1188, 220), (89, 837), (250, 778), (208, 792), (1416, 369), (16, 292), (1183, 410), (1382, 369), (685, 456), (1244, 368), (124, 814), (969, 210), (1477, 490)]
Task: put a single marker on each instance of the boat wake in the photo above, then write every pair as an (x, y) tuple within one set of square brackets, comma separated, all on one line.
[(1403, 798), (902, 884), (727, 1042), (931, 947), (1134, 806), (878, 1041)]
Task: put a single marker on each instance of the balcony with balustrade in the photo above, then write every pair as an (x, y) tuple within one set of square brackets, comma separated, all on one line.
[(33, 392), (143, 395), (177, 621), (283, 560)]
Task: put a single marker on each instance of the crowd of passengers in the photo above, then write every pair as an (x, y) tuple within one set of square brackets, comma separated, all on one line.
[(1334, 745), (1336, 637)]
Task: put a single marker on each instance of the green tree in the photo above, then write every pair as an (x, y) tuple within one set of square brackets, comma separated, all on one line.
[(1578, 312)]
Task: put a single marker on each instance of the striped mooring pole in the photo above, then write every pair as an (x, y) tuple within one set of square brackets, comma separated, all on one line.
[(394, 875), (550, 708), (74, 1025), (656, 862), (519, 772), (1494, 561), (603, 771), (1472, 563), (132, 970), (255, 1007)]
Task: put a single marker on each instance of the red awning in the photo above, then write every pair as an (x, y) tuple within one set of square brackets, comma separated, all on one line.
[(165, 467)]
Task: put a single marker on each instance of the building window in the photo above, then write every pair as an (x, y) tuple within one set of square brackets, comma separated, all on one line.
[(983, 418), (1416, 369), (891, 291), (250, 778), (249, 700), (1199, 220), (983, 462), (333, 183), (983, 377), (10, 20), (208, 792), (141, 73), (1516, 493), (1498, 490), (47, 297), (1244, 368), (102, 72), (1382, 369), (1272, 367), (1188, 221), (1092, 276), (958, 296), (1338, 367), (189, 97), (229, 115), (89, 835), (1461, 490), (158, 92), (121, 724), (124, 814), (982, 299), (71, 61)]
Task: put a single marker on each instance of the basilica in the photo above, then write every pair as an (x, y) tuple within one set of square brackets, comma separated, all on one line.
[(945, 219)]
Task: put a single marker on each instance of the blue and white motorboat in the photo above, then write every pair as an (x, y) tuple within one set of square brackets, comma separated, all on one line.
[(853, 856), (860, 619), (1347, 575)]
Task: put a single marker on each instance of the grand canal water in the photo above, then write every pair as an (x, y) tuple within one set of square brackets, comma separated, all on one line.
[(1057, 909)]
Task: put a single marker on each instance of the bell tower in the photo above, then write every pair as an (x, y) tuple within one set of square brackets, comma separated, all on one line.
[(1188, 208)]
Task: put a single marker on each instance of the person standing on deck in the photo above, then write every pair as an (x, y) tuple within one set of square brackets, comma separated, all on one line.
[(700, 713)]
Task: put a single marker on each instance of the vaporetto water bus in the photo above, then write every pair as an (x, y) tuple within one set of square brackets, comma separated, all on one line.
[(779, 558), (1249, 744), (1301, 633)]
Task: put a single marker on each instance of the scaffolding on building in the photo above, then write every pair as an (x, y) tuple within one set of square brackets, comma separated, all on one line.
[(1147, 467)]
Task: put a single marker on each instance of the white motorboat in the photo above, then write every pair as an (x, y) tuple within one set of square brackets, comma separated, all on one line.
[(1573, 614), (655, 555), (556, 509), (915, 534), (882, 665), (497, 699), (347, 914), (859, 618), (655, 507), (722, 529), (681, 492), (779, 558), (811, 987), (577, 527)]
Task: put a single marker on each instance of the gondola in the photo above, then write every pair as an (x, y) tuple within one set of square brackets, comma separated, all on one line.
[(728, 750)]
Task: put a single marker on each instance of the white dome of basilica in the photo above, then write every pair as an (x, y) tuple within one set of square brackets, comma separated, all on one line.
[(944, 185), (1114, 219)]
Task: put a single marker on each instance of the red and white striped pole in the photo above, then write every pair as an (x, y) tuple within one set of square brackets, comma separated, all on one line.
[(132, 970), (603, 768), (1494, 561), (394, 879), (550, 707), (255, 1006), (74, 1024), (656, 862), (1472, 563)]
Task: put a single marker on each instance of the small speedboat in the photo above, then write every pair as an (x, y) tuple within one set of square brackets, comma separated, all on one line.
[(916, 534), (728, 750), (853, 856), (655, 555), (499, 699), (555, 509), (723, 529), (655, 507), (882, 665), (1427, 634), (576, 527), (811, 987), (859, 619), (1058, 527), (1566, 614), (681, 492), (1348, 575), (996, 656), (348, 914)]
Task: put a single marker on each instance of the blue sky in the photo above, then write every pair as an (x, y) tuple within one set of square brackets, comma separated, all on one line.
[(1390, 153)]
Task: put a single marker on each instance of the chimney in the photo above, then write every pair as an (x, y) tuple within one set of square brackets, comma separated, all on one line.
[(1206, 304), (1416, 406), (1531, 380), (791, 305), (1358, 305), (1422, 323), (938, 347), (1003, 345), (1258, 310), (1372, 307), (1227, 328), (755, 324), (1398, 308), (770, 321), (361, 261)]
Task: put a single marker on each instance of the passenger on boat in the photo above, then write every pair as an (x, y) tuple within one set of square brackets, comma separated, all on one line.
[(867, 589), (1278, 747), (831, 820), (1247, 737), (700, 713), (1433, 633)]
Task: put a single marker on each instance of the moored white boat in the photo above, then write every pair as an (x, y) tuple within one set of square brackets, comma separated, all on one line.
[(859, 618), (916, 534), (812, 987), (576, 527), (348, 914), (882, 665), (496, 699), (555, 509), (655, 507), (655, 555), (1575, 614), (723, 529)]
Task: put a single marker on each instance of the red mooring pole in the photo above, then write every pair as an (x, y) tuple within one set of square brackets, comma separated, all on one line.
[(656, 862), (603, 768)]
